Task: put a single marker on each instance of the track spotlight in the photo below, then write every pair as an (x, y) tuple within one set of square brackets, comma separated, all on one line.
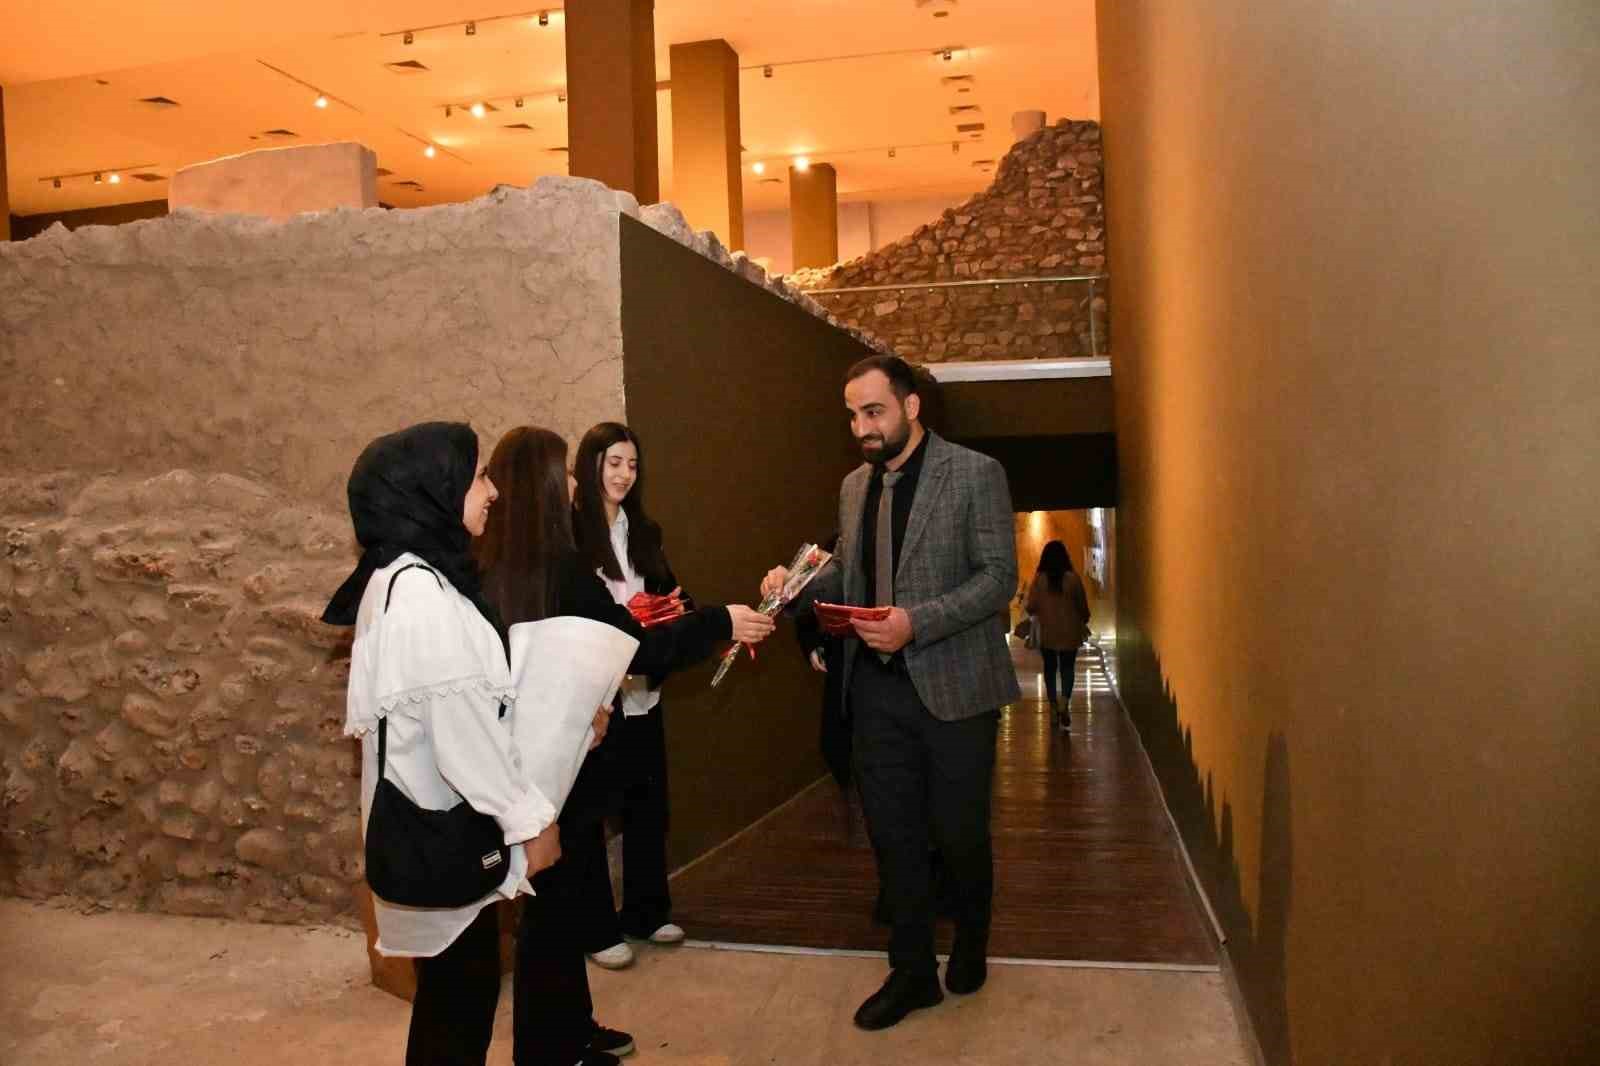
[(97, 179), (891, 153), (408, 38), (544, 18), (758, 168), (116, 179), (446, 110), (955, 147), (947, 55), (320, 101), (430, 151), (472, 29), (518, 101), (766, 72), (477, 110), (56, 182), (561, 97)]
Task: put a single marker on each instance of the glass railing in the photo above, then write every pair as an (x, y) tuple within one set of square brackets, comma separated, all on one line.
[(1057, 317)]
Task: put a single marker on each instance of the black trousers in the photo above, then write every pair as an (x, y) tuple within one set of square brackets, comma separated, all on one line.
[(452, 1017), (552, 1011), (638, 749), (1067, 663), (924, 782)]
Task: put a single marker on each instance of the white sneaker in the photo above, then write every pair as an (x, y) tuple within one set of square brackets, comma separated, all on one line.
[(615, 957), (667, 934)]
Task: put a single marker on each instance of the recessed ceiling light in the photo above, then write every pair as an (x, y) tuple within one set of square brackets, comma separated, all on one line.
[(758, 168), (116, 179), (430, 151), (478, 110), (320, 101), (802, 164)]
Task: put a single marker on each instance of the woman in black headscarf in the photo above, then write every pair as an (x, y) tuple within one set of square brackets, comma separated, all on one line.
[(429, 662)]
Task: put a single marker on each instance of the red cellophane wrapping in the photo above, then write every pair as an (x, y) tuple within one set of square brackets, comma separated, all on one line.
[(649, 609)]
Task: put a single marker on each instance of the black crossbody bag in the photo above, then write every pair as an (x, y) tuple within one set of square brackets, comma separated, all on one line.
[(417, 857)]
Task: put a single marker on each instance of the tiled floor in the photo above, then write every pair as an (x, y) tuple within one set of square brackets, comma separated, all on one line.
[(151, 990)]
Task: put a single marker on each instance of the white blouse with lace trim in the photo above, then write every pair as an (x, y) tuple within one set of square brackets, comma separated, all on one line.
[(434, 667)]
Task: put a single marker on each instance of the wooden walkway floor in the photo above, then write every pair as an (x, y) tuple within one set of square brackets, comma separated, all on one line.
[(1086, 865)]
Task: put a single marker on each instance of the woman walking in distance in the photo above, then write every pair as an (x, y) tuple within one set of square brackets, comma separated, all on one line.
[(428, 664), (1056, 599)]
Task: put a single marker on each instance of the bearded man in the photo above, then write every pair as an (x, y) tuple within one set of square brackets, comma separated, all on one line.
[(925, 528)]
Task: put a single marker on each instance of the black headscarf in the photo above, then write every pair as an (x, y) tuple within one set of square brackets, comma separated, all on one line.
[(407, 492)]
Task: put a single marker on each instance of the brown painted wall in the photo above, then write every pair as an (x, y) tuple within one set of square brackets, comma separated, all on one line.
[(1358, 405), (738, 398)]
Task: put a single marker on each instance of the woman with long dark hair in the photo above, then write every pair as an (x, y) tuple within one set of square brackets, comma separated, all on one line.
[(623, 545), (428, 674), (1061, 610), (532, 570)]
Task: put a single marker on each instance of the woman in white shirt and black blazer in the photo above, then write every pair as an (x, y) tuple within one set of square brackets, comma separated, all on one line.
[(428, 659)]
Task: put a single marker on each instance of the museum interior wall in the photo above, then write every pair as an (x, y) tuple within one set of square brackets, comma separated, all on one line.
[(1358, 410)]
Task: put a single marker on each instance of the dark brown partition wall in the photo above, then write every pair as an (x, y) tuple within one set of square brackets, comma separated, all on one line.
[(737, 396)]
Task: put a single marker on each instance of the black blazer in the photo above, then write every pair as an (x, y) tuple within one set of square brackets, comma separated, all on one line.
[(662, 650)]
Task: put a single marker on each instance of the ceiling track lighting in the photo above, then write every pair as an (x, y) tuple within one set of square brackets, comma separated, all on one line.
[(477, 110), (544, 18), (766, 71), (472, 29), (321, 101), (115, 178), (561, 97), (447, 111), (947, 55), (97, 179), (891, 153), (518, 101), (430, 151), (408, 38), (955, 147)]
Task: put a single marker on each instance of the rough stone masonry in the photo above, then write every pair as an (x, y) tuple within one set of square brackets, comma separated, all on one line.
[(1043, 216)]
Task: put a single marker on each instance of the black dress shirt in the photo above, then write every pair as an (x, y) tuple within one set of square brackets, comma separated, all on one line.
[(905, 490)]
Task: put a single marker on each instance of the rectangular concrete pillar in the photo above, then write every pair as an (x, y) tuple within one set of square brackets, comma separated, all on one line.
[(280, 182), (611, 94), (5, 195), (814, 215), (707, 178)]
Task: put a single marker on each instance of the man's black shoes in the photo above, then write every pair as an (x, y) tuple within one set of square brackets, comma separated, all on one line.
[(965, 974), (900, 995)]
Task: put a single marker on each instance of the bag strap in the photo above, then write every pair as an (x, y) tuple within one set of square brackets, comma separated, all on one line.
[(383, 723)]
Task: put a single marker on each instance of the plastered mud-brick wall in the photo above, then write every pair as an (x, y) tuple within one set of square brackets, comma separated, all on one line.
[(183, 399), (1044, 216)]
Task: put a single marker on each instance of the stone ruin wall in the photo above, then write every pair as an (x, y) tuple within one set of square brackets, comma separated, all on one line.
[(183, 400), (1044, 215)]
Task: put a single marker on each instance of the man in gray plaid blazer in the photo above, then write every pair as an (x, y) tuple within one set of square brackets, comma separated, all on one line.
[(925, 527)]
